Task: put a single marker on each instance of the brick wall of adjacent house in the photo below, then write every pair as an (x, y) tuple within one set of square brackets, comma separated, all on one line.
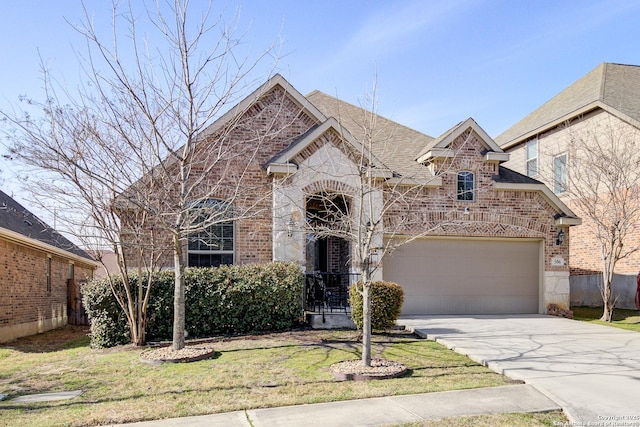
[(585, 255), (27, 306), (493, 213)]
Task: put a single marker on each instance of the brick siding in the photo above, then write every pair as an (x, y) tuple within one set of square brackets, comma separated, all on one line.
[(493, 213), (25, 301)]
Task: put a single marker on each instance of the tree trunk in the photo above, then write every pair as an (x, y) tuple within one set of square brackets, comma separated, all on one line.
[(607, 303), (366, 323), (178, 297)]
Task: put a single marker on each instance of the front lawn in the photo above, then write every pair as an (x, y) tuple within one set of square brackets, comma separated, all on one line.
[(623, 319), (248, 372)]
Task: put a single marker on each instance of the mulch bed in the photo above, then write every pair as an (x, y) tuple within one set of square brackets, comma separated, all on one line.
[(380, 369), (190, 353)]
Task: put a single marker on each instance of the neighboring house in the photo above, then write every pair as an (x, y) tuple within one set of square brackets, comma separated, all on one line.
[(40, 272), (606, 98), (108, 264), (491, 243)]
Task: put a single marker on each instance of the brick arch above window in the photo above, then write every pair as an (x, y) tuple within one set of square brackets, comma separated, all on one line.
[(329, 186)]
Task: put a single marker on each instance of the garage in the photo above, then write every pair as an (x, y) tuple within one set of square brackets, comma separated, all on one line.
[(467, 276)]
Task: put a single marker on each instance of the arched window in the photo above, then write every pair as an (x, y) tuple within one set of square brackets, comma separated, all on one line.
[(466, 186), (213, 244)]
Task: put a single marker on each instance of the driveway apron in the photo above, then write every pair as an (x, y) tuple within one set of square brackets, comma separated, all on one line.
[(592, 371)]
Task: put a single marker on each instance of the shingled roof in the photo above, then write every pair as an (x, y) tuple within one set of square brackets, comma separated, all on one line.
[(17, 219), (612, 87), (394, 144)]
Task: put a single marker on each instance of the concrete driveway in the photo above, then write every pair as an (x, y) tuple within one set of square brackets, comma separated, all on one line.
[(592, 371)]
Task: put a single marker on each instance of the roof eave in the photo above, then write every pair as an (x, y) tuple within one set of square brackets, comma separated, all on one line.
[(380, 174), (282, 169), (436, 154), (552, 124), (566, 221), (493, 157), (21, 239)]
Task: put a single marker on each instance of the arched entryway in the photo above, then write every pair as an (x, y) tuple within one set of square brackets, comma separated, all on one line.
[(328, 251)]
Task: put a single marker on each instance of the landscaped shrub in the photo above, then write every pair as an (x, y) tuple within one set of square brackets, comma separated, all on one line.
[(386, 304), (227, 299), (108, 322)]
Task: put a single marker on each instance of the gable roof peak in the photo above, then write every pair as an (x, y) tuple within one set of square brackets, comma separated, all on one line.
[(444, 141), (610, 86)]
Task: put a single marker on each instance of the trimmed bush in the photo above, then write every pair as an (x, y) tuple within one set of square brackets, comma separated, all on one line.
[(386, 304), (222, 300), (108, 323)]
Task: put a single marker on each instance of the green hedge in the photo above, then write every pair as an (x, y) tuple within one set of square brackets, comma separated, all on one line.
[(386, 304), (227, 299)]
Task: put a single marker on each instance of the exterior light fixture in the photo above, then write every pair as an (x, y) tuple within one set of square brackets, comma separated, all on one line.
[(290, 226), (466, 210), (560, 238)]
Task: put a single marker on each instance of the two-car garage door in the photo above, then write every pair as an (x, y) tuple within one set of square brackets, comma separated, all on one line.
[(467, 276)]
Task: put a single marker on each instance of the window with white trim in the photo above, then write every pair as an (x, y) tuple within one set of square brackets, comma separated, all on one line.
[(532, 157), (466, 186), (214, 245), (560, 173)]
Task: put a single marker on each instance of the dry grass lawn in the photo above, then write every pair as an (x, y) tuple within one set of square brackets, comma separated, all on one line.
[(247, 372), (623, 319)]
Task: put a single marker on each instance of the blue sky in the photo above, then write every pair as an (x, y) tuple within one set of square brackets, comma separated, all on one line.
[(437, 62)]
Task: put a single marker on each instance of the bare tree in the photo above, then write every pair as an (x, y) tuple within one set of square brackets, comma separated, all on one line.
[(139, 138), (376, 209), (604, 186), (79, 173)]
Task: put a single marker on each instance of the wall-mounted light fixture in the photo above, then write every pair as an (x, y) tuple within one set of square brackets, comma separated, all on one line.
[(560, 238), (290, 226), (466, 210)]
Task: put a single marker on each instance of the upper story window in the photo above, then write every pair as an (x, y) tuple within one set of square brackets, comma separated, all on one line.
[(532, 157), (466, 186), (560, 174), (214, 245)]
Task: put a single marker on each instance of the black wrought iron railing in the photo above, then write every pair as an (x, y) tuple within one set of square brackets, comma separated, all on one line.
[(328, 292)]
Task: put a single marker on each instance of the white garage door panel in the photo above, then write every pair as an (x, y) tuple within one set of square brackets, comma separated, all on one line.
[(466, 276)]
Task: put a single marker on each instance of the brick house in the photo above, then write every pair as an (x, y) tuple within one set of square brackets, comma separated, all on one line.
[(40, 272), (489, 237), (605, 99)]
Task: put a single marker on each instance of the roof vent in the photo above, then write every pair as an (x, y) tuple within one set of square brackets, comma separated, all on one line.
[(29, 223)]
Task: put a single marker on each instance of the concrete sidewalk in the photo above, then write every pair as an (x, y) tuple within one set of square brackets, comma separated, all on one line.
[(378, 411)]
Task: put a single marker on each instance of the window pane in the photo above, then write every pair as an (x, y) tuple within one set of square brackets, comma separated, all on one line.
[(532, 149), (532, 157), (214, 245), (465, 186), (532, 167), (210, 260), (560, 174)]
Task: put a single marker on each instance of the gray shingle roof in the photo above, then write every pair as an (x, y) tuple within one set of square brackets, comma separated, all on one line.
[(614, 85), (14, 217), (513, 177), (394, 144)]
